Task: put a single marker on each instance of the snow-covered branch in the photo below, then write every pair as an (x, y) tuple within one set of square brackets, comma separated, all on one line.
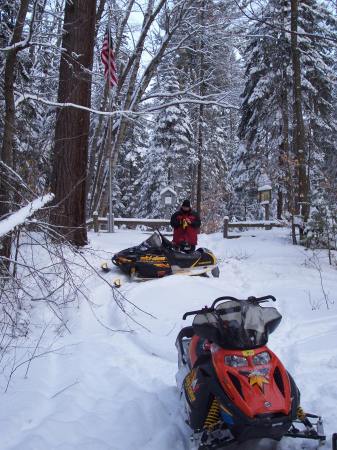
[(19, 217), (21, 45), (254, 16), (196, 101), (190, 101)]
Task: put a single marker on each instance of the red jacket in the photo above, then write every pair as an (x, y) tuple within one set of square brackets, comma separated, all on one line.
[(184, 231)]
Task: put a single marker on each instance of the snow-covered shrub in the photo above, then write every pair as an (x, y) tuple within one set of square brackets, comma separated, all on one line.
[(40, 281), (321, 231)]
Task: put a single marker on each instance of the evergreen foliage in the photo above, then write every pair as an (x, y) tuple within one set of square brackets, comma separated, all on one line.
[(266, 125)]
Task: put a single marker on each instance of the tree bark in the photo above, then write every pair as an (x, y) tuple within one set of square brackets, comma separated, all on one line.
[(299, 144), (200, 137), (72, 125), (6, 154), (97, 149)]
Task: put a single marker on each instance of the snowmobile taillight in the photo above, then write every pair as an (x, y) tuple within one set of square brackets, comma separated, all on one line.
[(236, 361), (261, 359)]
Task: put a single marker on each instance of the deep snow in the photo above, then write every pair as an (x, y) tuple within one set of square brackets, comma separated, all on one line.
[(106, 390)]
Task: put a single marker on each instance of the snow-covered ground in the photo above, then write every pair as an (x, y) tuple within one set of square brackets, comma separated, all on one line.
[(115, 390)]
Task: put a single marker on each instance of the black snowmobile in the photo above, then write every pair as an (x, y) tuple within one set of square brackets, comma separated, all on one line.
[(234, 387), (156, 257)]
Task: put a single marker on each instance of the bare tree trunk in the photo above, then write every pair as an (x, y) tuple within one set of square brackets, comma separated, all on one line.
[(9, 123), (299, 144), (200, 140), (193, 184), (96, 152), (285, 160), (72, 126), (200, 143), (279, 204), (99, 14)]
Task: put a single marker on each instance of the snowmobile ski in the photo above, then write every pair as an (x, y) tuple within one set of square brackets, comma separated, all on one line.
[(105, 267)]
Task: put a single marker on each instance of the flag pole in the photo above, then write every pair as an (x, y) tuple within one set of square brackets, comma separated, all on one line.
[(110, 221), (110, 225)]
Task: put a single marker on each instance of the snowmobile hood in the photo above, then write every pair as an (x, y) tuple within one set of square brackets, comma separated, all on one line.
[(255, 380)]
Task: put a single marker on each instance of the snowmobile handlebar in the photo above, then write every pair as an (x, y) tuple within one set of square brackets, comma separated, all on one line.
[(251, 299), (206, 309)]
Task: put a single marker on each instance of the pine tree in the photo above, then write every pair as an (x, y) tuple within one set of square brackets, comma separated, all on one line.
[(266, 129), (208, 62), (130, 168), (169, 159)]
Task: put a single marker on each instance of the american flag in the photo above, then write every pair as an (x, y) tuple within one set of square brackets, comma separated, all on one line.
[(108, 59)]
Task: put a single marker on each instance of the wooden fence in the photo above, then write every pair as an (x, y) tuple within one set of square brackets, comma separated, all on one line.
[(101, 223), (266, 224)]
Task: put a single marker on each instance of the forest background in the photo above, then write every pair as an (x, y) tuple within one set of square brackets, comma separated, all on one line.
[(215, 98)]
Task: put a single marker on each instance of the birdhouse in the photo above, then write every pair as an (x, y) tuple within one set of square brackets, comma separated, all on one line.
[(264, 194), (168, 197)]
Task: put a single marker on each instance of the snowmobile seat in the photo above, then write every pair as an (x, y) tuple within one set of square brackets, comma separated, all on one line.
[(186, 255), (183, 259)]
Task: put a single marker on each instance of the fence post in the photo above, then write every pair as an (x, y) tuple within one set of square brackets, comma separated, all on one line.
[(225, 227), (95, 221), (112, 223)]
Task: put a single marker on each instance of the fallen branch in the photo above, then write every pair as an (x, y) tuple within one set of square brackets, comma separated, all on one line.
[(19, 217)]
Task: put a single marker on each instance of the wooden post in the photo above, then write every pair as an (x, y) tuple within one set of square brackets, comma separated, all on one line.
[(225, 227), (95, 221), (112, 223), (266, 216)]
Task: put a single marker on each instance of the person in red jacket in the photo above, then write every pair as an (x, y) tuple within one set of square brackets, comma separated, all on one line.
[(185, 224)]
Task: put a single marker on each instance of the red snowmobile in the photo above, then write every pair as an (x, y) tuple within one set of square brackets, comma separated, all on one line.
[(234, 387)]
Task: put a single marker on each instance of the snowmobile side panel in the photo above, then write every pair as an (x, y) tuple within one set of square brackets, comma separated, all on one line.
[(152, 270), (198, 397)]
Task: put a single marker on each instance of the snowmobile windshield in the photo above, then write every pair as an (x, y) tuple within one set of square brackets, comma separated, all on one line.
[(239, 325), (207, 325), (154, 241)]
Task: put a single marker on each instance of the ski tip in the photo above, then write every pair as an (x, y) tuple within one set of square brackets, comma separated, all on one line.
[(117, 283), (105, 267)]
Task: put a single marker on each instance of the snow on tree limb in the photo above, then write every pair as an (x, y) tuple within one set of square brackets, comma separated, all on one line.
[(196, 100), (24, 43), (253, 16), (20, 216)]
